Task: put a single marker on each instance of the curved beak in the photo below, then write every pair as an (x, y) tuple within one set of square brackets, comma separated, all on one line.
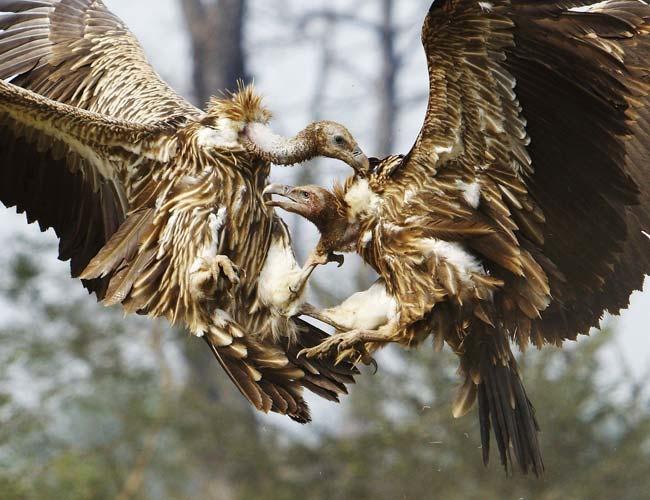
[(279, 189), (361, 161), (288, 203)]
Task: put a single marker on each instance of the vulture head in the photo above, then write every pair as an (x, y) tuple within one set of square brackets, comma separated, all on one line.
[(242, 118), (333, 140), (314, 203), (328, 212)]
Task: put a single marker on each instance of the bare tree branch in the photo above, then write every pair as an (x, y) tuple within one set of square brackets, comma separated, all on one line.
[(387, 85)]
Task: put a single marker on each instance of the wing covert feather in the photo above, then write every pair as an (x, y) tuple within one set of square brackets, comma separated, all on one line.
[(78, 53)]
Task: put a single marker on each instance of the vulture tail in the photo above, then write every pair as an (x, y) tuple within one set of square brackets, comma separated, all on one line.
[(492, 377), (271, 375), (261, 372)]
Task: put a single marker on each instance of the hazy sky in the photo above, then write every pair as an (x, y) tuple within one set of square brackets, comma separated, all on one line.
[(286, 76)]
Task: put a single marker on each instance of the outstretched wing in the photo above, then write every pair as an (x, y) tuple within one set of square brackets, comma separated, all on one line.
[(539, 116), (78, 53), (86, 205)]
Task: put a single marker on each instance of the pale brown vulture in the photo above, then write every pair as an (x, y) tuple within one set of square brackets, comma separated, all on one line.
[(156, 203), (522, 212)]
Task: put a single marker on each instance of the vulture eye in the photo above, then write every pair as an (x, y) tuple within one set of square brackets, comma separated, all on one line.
[(339, 140), (306, 195)]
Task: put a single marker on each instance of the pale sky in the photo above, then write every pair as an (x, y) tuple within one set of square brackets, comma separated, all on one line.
[(286, 77)]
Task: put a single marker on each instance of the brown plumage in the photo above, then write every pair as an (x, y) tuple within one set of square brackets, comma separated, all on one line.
[(523, 210), (157, 204)]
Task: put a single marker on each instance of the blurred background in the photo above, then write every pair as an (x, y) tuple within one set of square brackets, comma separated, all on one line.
[(93, 405)]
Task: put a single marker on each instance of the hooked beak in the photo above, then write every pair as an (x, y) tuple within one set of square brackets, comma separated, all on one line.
[(361, 161), (289, 204)]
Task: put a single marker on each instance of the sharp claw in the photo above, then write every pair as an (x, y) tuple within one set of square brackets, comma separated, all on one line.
[(338, 258), (368, 360)]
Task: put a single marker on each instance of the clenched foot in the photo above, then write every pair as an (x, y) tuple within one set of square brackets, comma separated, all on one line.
[(321, 259), (206, 274), (349, 346)]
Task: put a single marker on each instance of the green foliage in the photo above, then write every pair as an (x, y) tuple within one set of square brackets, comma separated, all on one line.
[(93, 405)]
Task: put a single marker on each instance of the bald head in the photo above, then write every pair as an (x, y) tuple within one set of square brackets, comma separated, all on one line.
[(314, 203)]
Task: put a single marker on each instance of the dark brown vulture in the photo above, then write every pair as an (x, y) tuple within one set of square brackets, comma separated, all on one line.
[(156, 203), (522, 213)]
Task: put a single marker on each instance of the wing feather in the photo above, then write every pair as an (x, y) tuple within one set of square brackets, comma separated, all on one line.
[(66, 168), (78, 53)]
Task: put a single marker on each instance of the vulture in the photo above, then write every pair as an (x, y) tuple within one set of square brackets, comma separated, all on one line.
[(159, 205), (522, 212)]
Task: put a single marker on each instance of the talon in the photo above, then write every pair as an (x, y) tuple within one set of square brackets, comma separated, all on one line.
[(368, 360), (338, 258), (371, 362)]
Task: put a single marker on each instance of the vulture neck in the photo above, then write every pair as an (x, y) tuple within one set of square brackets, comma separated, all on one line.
[(338, 233), (274, 148)]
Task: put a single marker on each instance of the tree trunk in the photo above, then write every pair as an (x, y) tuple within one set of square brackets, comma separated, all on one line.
[(216, 30), (387, 94)]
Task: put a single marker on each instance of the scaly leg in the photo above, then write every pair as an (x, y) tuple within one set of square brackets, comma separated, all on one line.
[(313, 261)]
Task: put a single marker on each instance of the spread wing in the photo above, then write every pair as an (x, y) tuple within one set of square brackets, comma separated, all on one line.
[(41, 138), (540, 112), (78, 53)]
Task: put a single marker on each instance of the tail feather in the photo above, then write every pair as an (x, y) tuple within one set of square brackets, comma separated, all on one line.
[(492, 378), (275, 388), (272, 376), (505, 408)]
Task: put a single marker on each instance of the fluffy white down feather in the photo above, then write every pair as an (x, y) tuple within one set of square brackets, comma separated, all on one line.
[(361, 199), (225, 135), (456, 255), (471, 192), (280, 273)]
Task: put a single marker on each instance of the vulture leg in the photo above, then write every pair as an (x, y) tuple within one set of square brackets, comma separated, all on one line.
[(313, 312), (315, 259)]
